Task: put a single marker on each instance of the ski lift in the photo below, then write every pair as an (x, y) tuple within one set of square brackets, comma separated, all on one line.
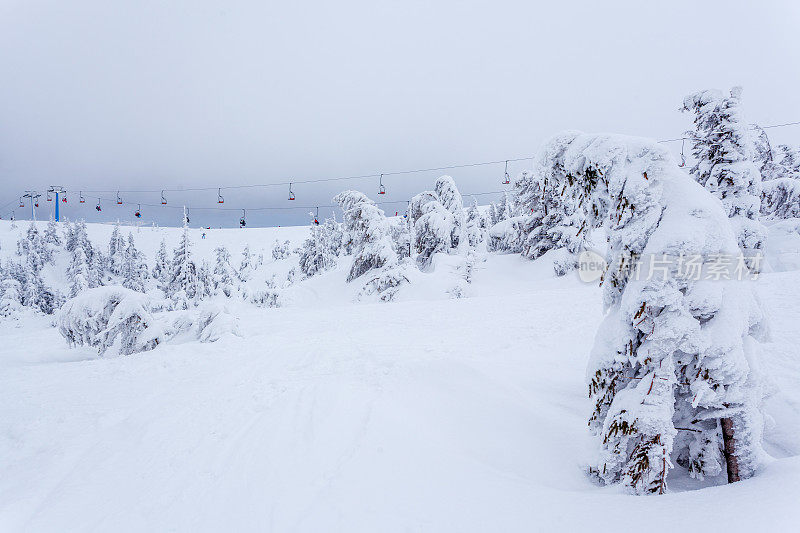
[(506, 181), (81, 198), (242, 221), (21, 203), (98, 206), (381, 188), (291, 194), (119, 200), (316, 218), (64, 198), (49, 198), (138, 213), (220, 199), (187, 214), (163, 200), (683, 158)]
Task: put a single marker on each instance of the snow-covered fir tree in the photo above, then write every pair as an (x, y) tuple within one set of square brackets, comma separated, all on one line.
[(183, 287), (673, 351), (723, 149), (51, 236), (438, 221), (161, 269), (10, 296), (476, 225), (780, 190), (116, 252), (374, 256), (78, 271), (246, 264), (134, 267), (222, 278), (281, 250), (320, 249)]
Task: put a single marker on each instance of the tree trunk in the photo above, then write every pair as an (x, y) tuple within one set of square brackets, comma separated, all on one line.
[(730, 450)]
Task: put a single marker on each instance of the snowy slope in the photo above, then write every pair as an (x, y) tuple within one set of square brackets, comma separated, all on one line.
[(428, 414)]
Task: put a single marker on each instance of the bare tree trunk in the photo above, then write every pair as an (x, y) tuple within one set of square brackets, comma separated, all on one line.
[(730, 450)]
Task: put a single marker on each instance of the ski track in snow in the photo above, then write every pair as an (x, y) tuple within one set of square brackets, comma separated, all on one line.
[(428, 414)]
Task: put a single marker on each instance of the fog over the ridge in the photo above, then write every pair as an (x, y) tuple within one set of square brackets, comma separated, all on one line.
[(152, 94)]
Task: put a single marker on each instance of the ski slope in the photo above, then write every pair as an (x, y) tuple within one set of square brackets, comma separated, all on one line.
[(426, 414)]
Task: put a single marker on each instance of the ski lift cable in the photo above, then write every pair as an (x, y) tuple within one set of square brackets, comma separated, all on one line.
[(751, 126), (312, 181)]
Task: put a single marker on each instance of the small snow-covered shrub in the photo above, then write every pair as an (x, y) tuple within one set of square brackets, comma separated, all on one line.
[(509, 235), (281, 250), (104, 316), (214, 322)]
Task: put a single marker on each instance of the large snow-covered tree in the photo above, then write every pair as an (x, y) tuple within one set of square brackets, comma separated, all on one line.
[(674, 350), (439, 221), (725, 161), (374, 256)]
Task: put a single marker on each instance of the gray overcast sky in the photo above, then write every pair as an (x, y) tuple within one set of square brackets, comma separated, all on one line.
[(153, 94)]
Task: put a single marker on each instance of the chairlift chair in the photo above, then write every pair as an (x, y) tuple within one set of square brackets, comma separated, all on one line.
[(81, 199), (291, 194), (119, 200), (242, 221), (138, 213), (381, 188), (163, 199), (506, 180), (220, 199)]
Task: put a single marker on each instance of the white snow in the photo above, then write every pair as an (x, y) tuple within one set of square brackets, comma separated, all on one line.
[(424, 414)]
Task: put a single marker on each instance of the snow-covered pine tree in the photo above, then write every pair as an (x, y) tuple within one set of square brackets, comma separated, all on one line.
[(476, 226), (318, 252), (116, 252), (433, 227), (35, 293), (448, 195), (724, 151), (33, 244), (762, 151), (183, 287), (70, 239), (161, 269), (94, 259), (134, 268), (246, 264), (673, 351), (780, 193), (107, 316), (552, 218), (374, 256), (205, 283), (78, 271), (281, 250), (10, 296), (222, 276), (51, 233)]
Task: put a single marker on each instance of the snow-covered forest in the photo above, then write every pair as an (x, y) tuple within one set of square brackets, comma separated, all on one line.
[(454, 366)]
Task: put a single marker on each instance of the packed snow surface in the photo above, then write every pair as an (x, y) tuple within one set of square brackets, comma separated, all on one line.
[(424, 414)]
